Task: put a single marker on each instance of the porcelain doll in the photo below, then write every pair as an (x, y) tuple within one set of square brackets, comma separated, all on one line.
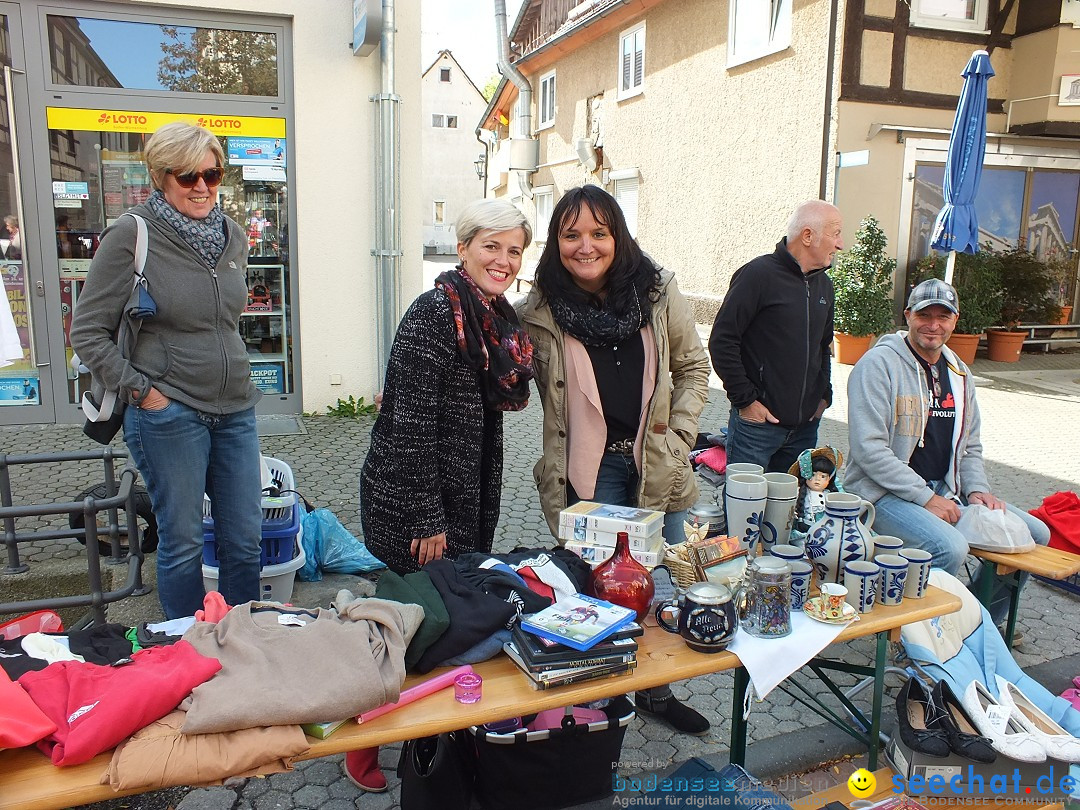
[(818, 472)]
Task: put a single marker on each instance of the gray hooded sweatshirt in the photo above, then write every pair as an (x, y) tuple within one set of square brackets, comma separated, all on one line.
[(191, 349), (887, 415)]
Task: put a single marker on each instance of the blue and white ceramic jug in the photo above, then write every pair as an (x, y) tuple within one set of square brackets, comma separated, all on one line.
[(840, 536)]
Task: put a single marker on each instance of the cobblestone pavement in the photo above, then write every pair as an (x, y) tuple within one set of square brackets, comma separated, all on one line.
[(1032, 448)]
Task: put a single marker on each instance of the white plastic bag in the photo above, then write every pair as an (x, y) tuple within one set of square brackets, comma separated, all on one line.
[(995, 530)]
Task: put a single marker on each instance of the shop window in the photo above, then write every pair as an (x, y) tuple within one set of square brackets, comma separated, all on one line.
[(949, 15), (632, 61), (757, 28), (89, 52), (546, 108)]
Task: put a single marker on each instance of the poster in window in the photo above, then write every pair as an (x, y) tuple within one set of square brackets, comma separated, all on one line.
[(268, 377)]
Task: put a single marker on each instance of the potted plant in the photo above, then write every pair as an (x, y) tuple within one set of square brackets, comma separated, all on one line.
[(1027, 297), (977, 279), (862, 281), (1063, 272)]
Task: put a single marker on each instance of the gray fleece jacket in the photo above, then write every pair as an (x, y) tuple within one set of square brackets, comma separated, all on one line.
[(887, 415), (191, 349)]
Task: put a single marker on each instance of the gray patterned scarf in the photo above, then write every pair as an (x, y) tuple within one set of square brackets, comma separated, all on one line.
[(205, 236)]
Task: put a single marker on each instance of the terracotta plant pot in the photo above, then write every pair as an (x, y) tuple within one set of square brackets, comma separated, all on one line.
[(849, 349), (965, 346), (1003, 346), (1066, 314)]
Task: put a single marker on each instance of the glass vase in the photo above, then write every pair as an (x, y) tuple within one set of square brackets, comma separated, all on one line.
[(622, 580)]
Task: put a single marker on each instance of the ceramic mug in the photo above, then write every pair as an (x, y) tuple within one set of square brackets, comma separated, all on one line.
[(745, 495), (740, 467), (832, 600), (779, 508), (788, 553), (887, 544), (802, 574), (918, 572), (705, 616), (861, 580), (894, 570)]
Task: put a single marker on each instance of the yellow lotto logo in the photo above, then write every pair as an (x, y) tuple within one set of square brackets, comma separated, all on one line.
[(861, 783), (144, 121)]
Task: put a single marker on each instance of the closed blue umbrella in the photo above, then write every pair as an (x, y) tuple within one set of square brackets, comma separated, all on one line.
[(956, 227)]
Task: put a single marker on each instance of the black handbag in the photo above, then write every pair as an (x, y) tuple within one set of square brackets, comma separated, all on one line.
[(437, 772), (103, 431)]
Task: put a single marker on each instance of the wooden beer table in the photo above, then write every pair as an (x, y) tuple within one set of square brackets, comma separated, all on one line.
[(29, 781)]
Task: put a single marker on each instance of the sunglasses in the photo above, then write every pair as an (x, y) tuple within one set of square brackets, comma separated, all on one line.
[(190, 179), (936, 381)]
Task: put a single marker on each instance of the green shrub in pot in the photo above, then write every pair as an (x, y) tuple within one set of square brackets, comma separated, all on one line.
[(862, 279)]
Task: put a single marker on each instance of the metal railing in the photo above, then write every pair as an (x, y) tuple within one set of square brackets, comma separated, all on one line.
[(119, 496)]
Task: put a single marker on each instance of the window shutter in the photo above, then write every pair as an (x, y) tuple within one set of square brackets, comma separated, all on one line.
[(639, 59), (626, 193), (627, 58)]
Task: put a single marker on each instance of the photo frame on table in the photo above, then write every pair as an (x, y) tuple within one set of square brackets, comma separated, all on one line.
[(708, 551)]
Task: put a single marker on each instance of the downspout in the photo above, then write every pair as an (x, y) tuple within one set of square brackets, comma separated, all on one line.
[(387, 250), (523, 119), (830, 75)]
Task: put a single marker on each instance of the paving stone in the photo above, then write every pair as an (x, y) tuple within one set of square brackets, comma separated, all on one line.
[(216, 798), (311, 795)]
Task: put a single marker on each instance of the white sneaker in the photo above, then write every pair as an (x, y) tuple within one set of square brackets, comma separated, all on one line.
[(1059, 743), (1000, 725)]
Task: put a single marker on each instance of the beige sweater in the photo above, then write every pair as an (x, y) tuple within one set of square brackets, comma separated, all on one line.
[(283, 665)]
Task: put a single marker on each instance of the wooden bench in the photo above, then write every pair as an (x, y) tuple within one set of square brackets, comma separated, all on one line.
[(1042, 561), (883, 777)]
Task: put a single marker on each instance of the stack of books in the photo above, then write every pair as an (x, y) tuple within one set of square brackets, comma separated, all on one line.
[(576, 639), (589, 530)]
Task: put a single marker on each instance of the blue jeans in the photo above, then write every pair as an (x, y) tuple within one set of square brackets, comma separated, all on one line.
[(182, 453), (617, 484), (919, 528), (774, 447)]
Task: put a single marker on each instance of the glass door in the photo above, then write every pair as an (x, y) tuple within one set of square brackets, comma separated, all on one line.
[(25, 387)]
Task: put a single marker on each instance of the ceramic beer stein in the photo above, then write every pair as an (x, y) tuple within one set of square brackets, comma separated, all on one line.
[(840, 536), (705, 617)]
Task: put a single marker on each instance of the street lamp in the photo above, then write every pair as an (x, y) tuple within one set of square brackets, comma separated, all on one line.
[(480, 164)]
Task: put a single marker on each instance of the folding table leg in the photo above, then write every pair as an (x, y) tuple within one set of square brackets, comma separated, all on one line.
[(737, 749), (873, 741)]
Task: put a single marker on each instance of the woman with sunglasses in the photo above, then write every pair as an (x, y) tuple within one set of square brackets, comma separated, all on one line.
[(190, 424)]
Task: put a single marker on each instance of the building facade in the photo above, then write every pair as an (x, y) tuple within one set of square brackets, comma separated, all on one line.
[(710, 121), (86, 83), (452, 104)]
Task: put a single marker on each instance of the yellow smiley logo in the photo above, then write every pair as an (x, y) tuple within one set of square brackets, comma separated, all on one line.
[(861, 783)]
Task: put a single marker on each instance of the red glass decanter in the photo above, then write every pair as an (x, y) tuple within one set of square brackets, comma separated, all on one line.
[(622, 580)]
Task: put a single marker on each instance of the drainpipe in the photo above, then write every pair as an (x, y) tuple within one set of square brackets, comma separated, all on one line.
[(523, 118), (826, 130), (387, 249)]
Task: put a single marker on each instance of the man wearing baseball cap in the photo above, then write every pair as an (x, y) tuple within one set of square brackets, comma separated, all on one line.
[(913, 428)]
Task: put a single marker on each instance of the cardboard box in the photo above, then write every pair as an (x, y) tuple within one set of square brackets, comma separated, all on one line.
[(954, 777)]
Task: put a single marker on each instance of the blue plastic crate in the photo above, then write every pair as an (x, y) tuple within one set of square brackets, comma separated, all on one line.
[(278, 545)]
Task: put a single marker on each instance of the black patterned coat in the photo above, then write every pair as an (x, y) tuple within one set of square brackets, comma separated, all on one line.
[(435, 463)]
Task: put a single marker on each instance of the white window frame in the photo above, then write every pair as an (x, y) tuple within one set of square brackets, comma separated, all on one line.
[(435, 218), (627, 189), (543, 217), (927, 14), (632, 34), (545, 112), (451, 121), (755, 31), (438, 120), (444, 71)]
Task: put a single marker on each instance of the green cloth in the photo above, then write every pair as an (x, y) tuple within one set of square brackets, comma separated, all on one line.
[(132, 636), (417, 589)]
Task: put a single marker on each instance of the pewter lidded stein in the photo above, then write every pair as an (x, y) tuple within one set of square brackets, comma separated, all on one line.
[(764, 600), (840, 536)]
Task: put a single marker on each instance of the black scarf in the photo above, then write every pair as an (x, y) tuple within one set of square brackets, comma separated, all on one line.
[(205, 236), (490, 341), (599, 326)]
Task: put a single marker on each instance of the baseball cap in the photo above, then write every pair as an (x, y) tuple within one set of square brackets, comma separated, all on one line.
[(933, 291)]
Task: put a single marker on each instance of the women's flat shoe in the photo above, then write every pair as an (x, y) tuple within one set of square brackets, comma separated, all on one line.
[(1059, 743), (915, 716), (999, 723), (964, 738)]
